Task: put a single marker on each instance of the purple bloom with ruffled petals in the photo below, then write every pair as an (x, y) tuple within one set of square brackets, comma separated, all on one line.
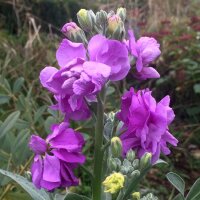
[(56, 157), (145, 50), (79, 80), (146, 123)]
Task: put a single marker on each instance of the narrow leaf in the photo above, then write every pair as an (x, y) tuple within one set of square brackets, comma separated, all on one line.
[(178, 197), (18, 84), (176, 181), (27, 186), (9, 123), (73, 196), (194, 193)]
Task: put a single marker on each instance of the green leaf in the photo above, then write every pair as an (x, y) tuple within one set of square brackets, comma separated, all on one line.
[(194, 193), (179, 197), (160, 161), (27, 186), (18, 84), (73, 196), (9, 123), (39, 113), (4, 98), (176, 181)]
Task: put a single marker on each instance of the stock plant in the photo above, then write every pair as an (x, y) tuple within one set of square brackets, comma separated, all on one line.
[(126, 143)]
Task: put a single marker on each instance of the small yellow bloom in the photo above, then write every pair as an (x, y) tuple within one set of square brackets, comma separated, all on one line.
[(82, 13), (114, 183), (136, 196)]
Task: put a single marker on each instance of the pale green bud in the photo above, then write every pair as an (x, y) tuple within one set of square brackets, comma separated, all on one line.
[(135, 173), (112, 164), (116, 147), (101, 19), (136, 196), (86, 19), (145, 161), (122, 13), (130, 155)]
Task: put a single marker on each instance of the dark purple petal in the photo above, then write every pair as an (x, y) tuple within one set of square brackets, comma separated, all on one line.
[(37, 144)]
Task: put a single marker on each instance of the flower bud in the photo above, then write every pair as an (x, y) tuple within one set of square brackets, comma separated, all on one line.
[(116, 147), (122, 13), (86, 19), (114, 183), (116, 27), (73, 32), (101, 19), (136, 196), (145, 161), (135, 173), (112, 164), (130, 155)]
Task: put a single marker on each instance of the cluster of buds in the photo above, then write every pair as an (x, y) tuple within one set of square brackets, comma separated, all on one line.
[(149, 196), (109, 24)]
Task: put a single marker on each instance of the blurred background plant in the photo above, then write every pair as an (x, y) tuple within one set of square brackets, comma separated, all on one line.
[(29, 36)]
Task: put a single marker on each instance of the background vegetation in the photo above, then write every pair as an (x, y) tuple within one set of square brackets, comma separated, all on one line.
[(29, 36)]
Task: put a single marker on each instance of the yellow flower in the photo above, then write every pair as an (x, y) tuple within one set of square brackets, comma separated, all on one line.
[(136, 196), (114, 183)]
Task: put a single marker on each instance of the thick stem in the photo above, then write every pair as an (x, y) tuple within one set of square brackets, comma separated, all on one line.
[(98, 153)]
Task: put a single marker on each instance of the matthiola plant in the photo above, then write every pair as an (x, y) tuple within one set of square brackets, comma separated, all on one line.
[(126, 142)]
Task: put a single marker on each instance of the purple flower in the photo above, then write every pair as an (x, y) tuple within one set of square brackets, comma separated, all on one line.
[(146, 123), (79, 80), (145, 50), (56, 157)]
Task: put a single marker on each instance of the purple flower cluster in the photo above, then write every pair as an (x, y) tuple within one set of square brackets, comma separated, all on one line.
[(81, 77), (146, 123), (56, 157), (83, 72)]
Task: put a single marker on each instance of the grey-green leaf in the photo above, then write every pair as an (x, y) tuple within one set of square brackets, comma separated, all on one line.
[(18, 84), (194, 193), (9, 123), (27, 186), (73, 196), (176, 181), (179, 197)]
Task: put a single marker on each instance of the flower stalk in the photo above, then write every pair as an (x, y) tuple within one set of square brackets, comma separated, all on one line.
[(98, 153)]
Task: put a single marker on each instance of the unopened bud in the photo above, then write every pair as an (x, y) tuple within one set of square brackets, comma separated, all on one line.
[(122, 13), (130, 155), (136, 196), (145, 161), (116, 27), (101, 19), (73, 32), (112, 164), (86, 19), (116, 147), (135, 173)]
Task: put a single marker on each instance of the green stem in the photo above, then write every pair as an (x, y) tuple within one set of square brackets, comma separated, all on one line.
[(98, 153)]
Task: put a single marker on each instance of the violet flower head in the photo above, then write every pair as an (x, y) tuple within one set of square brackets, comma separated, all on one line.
[(145, 50), (146, 124), (56, 158), (79, 80)]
